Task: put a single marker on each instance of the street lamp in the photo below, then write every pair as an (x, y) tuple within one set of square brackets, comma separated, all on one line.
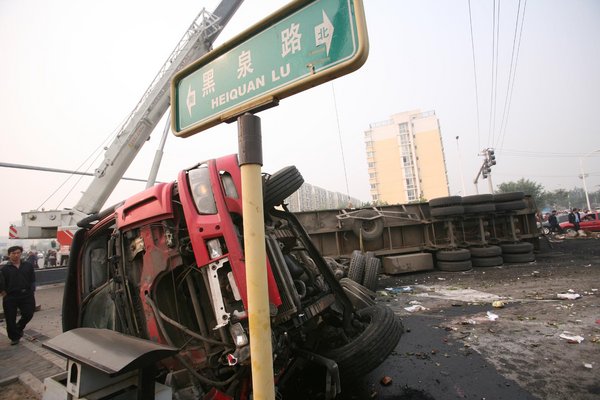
[(587, 197)]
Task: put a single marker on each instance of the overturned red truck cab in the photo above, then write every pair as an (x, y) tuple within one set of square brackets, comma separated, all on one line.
[(167, 265)]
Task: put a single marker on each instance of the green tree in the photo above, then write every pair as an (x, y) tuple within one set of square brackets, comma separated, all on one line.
[(526, 186)]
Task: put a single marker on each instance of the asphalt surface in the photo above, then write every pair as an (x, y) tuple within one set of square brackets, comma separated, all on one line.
[(426, 364)]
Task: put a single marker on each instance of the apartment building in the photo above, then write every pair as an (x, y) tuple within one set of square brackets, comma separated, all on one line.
[(405, 157)]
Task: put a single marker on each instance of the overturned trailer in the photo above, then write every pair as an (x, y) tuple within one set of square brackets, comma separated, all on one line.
[(451, 228)]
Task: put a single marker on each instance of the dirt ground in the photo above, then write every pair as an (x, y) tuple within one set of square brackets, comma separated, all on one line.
[(524, 343), (17, 391)]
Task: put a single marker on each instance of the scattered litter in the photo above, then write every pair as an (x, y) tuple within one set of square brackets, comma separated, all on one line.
[(491, 316), (405, 289), (441, 279), (571, 338), (386, 381), (568, 296), (571, 291), (382, 293), (594, 290), (598, 321), (535, 273), (498, 304), (469, 322), (588, 365), (416, 307), (414, 302)]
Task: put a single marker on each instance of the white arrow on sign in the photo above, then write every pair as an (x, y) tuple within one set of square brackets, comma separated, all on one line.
[(324, 33), (191, 99)]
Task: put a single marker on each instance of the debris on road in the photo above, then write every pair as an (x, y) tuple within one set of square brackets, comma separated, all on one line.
[(386, 381), (491, 316), (416, 307), (571, 338), (498, 304), (568, 296)]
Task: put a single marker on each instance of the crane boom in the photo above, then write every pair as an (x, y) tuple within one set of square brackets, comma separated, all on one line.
[(133, 133), (136, 130)]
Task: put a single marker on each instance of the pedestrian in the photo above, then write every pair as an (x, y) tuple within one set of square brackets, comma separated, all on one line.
[(574, 219), (18, 293), (553, 223)]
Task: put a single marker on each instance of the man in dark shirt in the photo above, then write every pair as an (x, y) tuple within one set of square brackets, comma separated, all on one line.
[(18, 293)]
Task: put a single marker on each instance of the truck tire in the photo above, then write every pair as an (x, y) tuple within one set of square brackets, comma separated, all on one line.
[(372, 346), (517, 248), (509, 196), (447, 211), (487, 261), (445, 201), (371, 271), (478, 199), (485, 251), (281, 185), (511, 205), (480, 208), (357, 266), (454, 266), (453, 255), (369, 229), (518, 258)]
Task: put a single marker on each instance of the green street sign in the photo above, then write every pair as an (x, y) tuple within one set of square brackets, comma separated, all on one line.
[(304, 44)]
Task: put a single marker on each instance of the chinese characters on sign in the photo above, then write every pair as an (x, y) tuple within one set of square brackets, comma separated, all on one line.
[(294, 50)]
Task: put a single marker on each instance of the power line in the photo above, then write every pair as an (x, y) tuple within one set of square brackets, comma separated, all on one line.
[(475, 76), (510, 72), (490, 141), (503, 134)]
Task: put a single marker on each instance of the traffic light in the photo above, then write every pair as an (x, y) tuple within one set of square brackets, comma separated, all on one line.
[(485, 169), (491, 158)]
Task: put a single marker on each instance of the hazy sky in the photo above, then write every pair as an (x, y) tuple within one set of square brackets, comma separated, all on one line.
[(72, 70)]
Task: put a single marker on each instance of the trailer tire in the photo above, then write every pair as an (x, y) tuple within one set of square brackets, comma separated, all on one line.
[(357, 266), (371, 271), (447, 211), (485, 251), (372, 346), (445, 201), (480, 208), (454, 266), (517, 248), (511, 205), (519, 258), (453, 255), (487, 261), (281, 185), (360, 296), (370, 229), (478, 199), (509, 196)]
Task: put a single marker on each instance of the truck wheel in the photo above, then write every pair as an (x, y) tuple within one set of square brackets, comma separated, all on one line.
[(511, 205), (509, 196), (281, 185), (447, 211), (371, 271), (485, 251), (445, 201), (478, 199), (357, 266), (480, 208), (372, 346), (453, 255), (454, 266), (487, 261), (370, 229), (517, 248), (518, 258)]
